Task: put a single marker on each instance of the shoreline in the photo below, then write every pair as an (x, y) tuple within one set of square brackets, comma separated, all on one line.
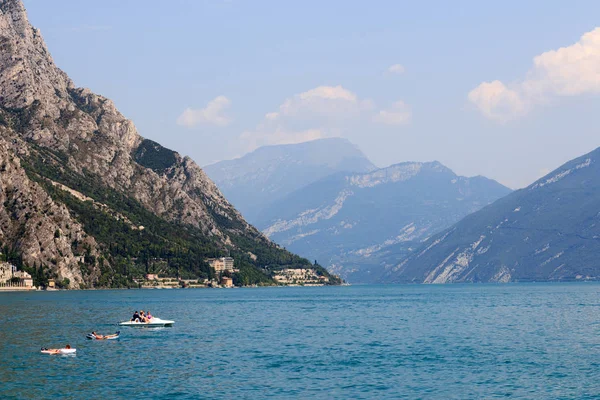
[(19, 289), (159, 288)]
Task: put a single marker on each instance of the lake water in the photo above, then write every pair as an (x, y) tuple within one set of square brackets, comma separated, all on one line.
[(454, 341)]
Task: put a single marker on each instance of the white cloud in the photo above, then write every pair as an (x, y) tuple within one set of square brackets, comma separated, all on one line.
[(325, 111), (329, 101), (328, 92), (497, 102), (398, 114), (568, 71), (396, 69), (212, 114)]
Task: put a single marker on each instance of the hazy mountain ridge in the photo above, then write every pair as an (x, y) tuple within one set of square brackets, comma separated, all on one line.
[(547, 231), (62, 140), (260, 178), (349, 221)]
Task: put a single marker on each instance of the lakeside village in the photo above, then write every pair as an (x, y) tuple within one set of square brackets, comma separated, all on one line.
[(13, 280)]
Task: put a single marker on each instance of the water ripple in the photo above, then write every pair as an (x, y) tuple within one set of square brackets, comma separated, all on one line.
[(363, 342)]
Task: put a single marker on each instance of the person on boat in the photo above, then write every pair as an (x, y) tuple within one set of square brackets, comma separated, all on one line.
[(142, 316), (136, 317), (149, 316)]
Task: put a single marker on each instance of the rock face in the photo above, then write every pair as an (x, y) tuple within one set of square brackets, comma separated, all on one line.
[(32, 222), (65, 136), (257, 180), (355, 223), (27, 72), (549, 231)]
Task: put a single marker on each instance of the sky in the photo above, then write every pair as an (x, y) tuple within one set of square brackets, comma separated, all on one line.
[(509, 90)]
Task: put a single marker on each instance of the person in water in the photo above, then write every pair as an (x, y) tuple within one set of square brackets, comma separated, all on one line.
[(101, 337), (55, 351)]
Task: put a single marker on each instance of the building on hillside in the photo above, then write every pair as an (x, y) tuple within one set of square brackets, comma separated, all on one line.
[(51, 283), (6, 271), (24, 277), (151, 277), (226, 281), (222, 264)]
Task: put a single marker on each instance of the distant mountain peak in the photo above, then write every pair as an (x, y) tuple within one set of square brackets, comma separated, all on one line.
[(326, 151), (281, 169)]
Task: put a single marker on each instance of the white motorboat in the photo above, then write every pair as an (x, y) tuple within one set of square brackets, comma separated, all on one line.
[(154, 322)]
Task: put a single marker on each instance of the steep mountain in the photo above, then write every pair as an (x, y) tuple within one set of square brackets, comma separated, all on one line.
[(349, 221), (89, 201), (268, 174), (549, 231)]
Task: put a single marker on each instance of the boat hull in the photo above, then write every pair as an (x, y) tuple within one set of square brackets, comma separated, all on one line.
[(155, 323)]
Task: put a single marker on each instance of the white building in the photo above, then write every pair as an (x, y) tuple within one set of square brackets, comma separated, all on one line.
[(9, 271), (222, 264), (24, 277), (6, 271)]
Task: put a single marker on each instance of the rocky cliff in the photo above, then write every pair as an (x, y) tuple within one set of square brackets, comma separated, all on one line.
[(70, 153)]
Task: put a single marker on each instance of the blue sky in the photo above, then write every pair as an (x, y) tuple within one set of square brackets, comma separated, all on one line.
[(465, 91)]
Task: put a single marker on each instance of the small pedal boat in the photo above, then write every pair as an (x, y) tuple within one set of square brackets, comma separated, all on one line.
[(154, 322), (93, 336), (58, 351)]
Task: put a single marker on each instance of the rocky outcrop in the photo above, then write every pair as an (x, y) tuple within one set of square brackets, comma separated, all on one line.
[(27, 71), (42, 230)]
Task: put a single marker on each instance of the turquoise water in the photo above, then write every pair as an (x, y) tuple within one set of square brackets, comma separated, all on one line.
[(457, 341)]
